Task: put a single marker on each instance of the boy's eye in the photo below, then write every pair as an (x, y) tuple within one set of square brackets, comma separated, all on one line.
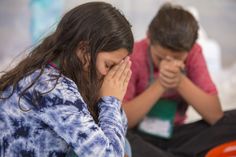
[(159, 58)]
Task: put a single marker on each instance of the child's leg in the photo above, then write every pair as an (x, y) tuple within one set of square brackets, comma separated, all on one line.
[(205, 137), (189, 140), (141, 148)]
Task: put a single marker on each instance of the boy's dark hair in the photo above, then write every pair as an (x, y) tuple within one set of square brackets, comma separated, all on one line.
[(173, 28)]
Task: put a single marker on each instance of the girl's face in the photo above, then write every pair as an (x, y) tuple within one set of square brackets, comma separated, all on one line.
[(159, 53), (106, 60)]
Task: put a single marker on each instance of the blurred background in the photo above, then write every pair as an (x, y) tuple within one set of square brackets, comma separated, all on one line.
[(24, 22)]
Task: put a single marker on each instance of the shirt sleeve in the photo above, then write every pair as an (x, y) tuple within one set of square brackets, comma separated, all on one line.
[(198, 72), (65, 112)]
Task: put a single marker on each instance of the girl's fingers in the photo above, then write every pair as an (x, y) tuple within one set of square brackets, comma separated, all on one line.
[(121, 68), (127, 78), (113, 70), (116, 81), (125, 72)]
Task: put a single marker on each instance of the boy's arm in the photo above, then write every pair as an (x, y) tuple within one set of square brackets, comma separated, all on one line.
[(139, 106), (198, 88), (207, 105)]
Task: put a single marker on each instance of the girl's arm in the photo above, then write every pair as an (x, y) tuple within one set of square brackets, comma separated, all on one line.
[(65, 112), (71, 120)]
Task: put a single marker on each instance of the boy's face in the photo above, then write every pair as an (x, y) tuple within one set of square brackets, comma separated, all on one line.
[(158, 53)]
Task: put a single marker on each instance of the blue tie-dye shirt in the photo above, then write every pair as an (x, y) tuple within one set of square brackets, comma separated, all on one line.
[(58, 119)]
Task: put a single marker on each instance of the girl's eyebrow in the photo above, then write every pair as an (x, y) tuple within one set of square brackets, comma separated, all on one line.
[(110, 63), (125, 57), (117, 62)]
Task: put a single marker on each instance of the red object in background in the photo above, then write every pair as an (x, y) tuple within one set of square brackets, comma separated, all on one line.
[(224, 150)]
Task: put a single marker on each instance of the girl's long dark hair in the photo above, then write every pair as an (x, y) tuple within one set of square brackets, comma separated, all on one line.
[(92, 27)]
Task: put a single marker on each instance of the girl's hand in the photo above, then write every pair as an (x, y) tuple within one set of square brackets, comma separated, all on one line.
[(116, 81)]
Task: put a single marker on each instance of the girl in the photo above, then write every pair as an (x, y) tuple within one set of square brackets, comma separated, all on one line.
[(66, 93)]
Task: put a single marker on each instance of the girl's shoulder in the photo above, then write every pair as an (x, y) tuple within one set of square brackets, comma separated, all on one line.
[(54, 88), (52, 79)]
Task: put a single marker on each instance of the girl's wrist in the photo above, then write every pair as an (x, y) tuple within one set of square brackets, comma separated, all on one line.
[(104, 100)]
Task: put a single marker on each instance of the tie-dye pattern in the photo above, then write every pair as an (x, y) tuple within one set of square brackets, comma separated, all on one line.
[(58, 119)]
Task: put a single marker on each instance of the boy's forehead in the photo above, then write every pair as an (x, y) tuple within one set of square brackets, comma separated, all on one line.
[(163, 52)]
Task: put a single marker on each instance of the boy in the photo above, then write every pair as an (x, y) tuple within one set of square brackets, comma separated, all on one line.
[(169, 73)]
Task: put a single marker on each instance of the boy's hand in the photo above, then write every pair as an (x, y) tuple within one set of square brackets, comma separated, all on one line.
[(116, 81), (170, 72)]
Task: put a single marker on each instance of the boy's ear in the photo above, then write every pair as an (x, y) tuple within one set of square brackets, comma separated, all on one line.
[(185, 56)]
